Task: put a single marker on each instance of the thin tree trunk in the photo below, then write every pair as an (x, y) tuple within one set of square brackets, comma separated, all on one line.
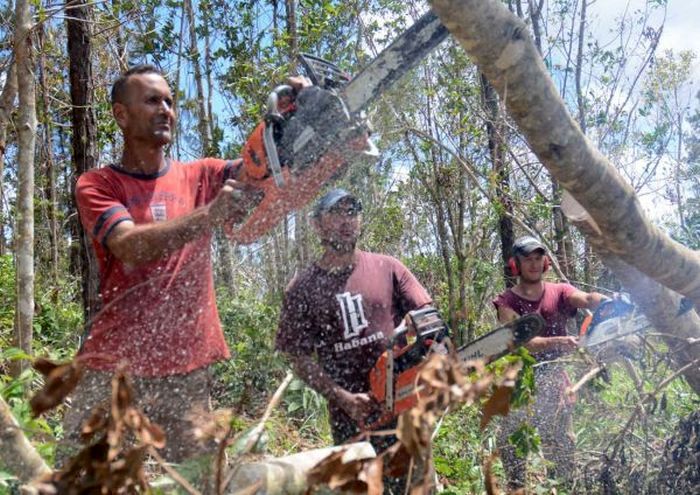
[(496, 144), (7, 100), (83, 141), (202, 114), (26, 131), (50, 168), (499, 44)]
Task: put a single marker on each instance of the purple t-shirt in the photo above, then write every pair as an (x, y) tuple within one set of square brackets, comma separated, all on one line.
[(344, 317), (553, 306)]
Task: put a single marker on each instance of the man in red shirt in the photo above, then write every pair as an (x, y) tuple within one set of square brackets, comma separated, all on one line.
[(338, 312), (556, 303), (151, 219)]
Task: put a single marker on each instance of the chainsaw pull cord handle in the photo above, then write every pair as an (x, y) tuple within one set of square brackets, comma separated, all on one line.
[(275, 116)]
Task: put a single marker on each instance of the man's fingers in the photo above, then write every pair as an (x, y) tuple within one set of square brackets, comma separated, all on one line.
[(299, 82)]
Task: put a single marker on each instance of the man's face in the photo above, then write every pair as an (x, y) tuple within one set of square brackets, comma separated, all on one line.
[(339, 227), (532, 266), (147, 113)]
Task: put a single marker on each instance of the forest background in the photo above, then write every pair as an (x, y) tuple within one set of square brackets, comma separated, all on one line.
[(454, 185)]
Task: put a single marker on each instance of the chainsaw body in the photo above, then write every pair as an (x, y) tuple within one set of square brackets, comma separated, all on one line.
[(612, 330), (305, 140), (394, 376)]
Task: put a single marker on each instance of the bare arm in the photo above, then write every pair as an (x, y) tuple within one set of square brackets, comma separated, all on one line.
[(586, 300), (138, 244), (357, 406)]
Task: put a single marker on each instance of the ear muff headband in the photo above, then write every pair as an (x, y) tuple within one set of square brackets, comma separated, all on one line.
[(513, 266)]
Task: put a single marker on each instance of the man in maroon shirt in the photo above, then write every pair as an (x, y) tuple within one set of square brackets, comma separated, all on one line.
[(556, 303), (151, 219), (339, 312)]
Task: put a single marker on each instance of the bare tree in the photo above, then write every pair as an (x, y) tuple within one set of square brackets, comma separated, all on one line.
[(7, 100), (26, 132), (83, 139)]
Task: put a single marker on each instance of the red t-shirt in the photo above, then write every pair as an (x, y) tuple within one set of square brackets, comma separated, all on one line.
[(160, 317), (553, 306), (345, 316)]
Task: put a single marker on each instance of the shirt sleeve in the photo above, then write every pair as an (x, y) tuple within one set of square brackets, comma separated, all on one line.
[(501, 301), (411, 294), (216, 172), (565, 290), (294, 330), (99, 207)]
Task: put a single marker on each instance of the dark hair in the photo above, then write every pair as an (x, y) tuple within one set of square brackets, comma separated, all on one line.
[(119, 87)]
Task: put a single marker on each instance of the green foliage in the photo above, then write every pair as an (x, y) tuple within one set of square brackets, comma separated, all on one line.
[(526, 440), (249, 325)]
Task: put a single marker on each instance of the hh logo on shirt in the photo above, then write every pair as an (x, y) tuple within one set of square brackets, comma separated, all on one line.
[(159, 212), (354, 320)]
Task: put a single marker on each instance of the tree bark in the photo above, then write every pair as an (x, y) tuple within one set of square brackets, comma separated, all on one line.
[(680, 330), (7, 100), (288, 475), (50, 184), (26, 131), (83, 140), (202, 114), (496, 143), (499, 44), (18, 455)]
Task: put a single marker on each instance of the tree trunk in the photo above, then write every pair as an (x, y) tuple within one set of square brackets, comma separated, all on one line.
[(7, 100), (18, 455), (83, 141), (496, 139), (202, 114), (288, 475), (50, 185), (499, 44), (26, 131)]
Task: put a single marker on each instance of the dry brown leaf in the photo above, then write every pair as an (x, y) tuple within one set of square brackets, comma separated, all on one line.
[(336, 474), (211, 424), (96, 423), (61, 379), (490, 482), (372, 472), (497, 405)]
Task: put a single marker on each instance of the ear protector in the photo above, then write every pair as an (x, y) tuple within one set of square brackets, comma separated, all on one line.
[(515, 269)]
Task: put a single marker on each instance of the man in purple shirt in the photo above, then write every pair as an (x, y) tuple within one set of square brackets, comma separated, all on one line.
[(556, 303)]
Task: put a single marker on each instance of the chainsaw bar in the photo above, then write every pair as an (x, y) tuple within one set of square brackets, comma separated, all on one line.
[(503, 340), (615, 328), (402, 55)]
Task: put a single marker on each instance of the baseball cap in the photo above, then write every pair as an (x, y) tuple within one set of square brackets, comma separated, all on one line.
[(527, 244), (332, 198)]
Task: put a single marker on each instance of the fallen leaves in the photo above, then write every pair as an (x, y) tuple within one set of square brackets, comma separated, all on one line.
[(443, 383), (113, 463), (60, 380)]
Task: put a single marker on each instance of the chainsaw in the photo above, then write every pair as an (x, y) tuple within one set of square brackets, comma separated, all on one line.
[(612, 321), (393, 377), (310, 136)]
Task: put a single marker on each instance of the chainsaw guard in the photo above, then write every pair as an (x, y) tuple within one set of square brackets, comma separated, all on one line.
[(300, 187)]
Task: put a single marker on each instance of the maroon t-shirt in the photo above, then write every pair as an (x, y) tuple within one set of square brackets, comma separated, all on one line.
[(553, 306), (344, 317)]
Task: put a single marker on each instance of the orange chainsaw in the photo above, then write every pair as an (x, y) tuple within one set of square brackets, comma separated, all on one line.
[(310, 136), (393, 378)]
